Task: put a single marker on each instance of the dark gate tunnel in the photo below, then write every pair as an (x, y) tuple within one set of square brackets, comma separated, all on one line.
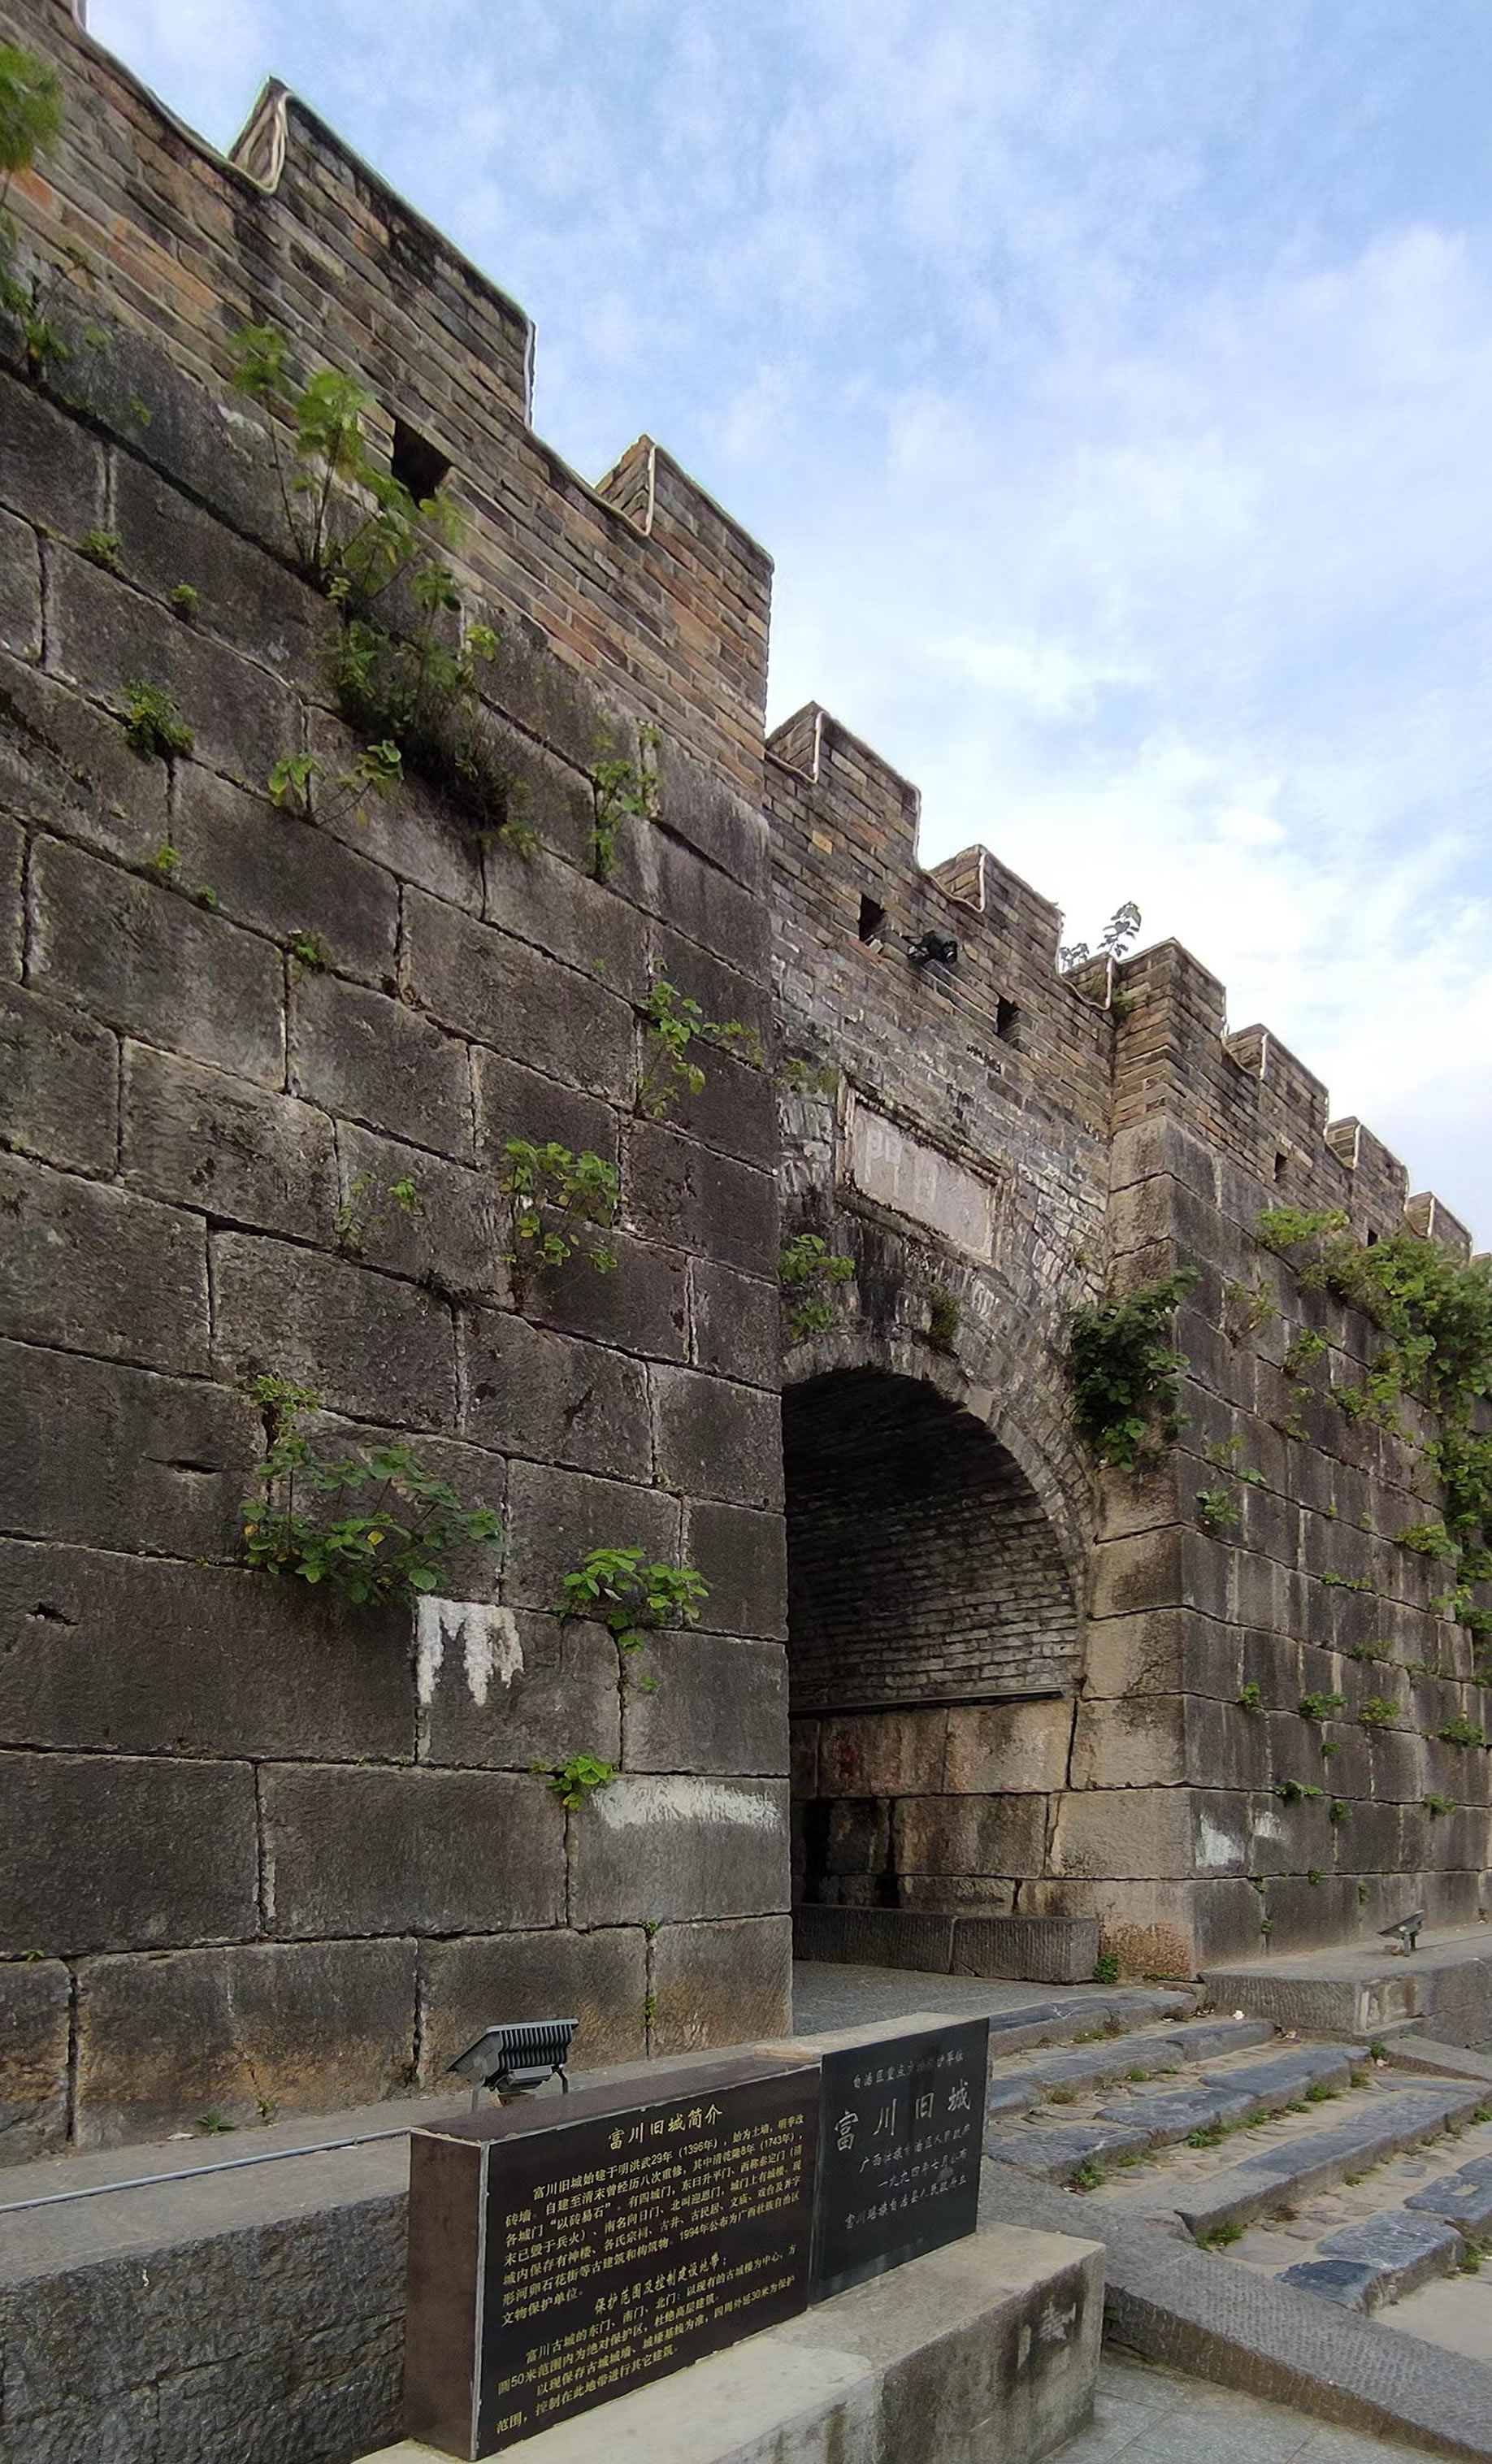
[(933, 1644)]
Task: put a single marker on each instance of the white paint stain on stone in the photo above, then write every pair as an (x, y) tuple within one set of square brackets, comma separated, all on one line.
[(633, 1803), (1216, 1848), (489, 1637)]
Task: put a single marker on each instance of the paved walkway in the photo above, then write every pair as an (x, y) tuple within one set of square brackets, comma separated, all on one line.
[(1144, 2415)]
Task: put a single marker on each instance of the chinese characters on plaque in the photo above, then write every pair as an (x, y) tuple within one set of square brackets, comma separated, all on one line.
[(902, 2131), (587, 2251)]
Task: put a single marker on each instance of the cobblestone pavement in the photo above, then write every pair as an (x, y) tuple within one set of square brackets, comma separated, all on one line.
[(1144, 2415)]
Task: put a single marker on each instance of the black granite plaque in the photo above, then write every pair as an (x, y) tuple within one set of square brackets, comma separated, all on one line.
[(565, 2251), (901, 2132)]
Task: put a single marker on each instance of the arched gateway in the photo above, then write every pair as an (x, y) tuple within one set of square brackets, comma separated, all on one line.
[(933, 1648)]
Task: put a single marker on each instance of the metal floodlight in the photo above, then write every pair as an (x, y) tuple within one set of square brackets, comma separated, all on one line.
[(1406, 1934), (937, 948), (516, 2060)]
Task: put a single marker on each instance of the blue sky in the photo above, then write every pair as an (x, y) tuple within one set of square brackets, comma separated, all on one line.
[(1113, 383)]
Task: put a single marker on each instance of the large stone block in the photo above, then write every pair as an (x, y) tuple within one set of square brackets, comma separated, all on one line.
[(680, 1191), (558, 1517), (240, 2035), (883, 1753), (387, 1852), (93, 1451), (34, 2027), (735, 1111), (532, 1393), (444, 1227), (721, 1983), (729, 832), (743, 1558), (13, 855), (1150, 1740), (244, 595), (1146, 1833), (567, 916), (20, 590), (1002, 1837), (51, 470), (484, 983), (104, 636), (641, 1305), (412, 833), (514, 1102), (655, 1850), (716, 1439), (141, 1655), (600, 1978), (69, 766), (95, 1269), (1048, 1950), (738, 1325), (100, 1852), (995, 1748), (522, 1695), (144, 958), (58, 1083), (278, 871), (371, 1058), (198, 1137), (719, 1705), (368, 1345)]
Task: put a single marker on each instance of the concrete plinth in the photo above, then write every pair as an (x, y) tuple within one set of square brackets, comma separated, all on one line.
[(977, 2354)]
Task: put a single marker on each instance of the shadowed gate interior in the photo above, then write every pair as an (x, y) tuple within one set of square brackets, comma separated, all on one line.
[(933, 1645)]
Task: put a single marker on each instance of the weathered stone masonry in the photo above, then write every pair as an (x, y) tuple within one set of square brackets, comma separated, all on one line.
[(270, 1853), (256, 1853)]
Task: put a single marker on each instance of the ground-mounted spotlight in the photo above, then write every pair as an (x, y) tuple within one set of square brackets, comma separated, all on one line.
[(517, 2059), (934, 949), (1406, 1932)]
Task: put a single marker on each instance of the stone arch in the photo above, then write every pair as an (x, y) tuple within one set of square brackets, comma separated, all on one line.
[(935, 1638)]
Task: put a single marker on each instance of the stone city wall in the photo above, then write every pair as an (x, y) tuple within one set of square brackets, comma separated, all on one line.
[(262, 1851)]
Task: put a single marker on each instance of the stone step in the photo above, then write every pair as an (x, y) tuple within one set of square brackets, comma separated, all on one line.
[(1237, 2095), (1120, 2010), (1378, 2259), (1447, 1984), (1139, 2125), (1463, 2199), (1016, 2089), (1283, 2175)]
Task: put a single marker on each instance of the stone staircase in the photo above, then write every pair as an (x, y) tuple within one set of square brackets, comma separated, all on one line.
[(1328, 2165)]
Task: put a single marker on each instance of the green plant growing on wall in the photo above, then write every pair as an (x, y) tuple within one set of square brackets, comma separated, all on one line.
[(31, 123), (811, 1274), (1436, 1804), (373, 1527), (1291, 1792), (1217, 1512), (1428, 1540), (153, 723), (562, 1204), (1369, 1651), (1124, 1370), (1228, 1456), (406, 660), (1320, 1706), (621, 788), (576, 1781), (1249, 1698), (1379, 1711), (943, 1313), (632, 1595), (1306, 1348), (1245, 1308), (185, 601), (1105, 1968), (375, 774), (803, 1077), (1339, 1810), (1461, 1732), (102, 549)]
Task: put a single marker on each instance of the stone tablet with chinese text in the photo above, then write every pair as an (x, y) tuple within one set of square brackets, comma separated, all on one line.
[(563, 2251), (899, 2150)]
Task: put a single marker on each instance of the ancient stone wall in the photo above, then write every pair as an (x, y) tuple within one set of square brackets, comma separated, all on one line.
[(260, 1850)]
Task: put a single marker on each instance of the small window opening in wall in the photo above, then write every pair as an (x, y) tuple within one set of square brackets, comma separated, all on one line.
[(1371, 1238), (416, 464), (1006, 1015), (1281, 1163), (872, 916)]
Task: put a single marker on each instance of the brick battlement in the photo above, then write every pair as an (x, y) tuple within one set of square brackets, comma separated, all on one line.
[(640, 580)]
